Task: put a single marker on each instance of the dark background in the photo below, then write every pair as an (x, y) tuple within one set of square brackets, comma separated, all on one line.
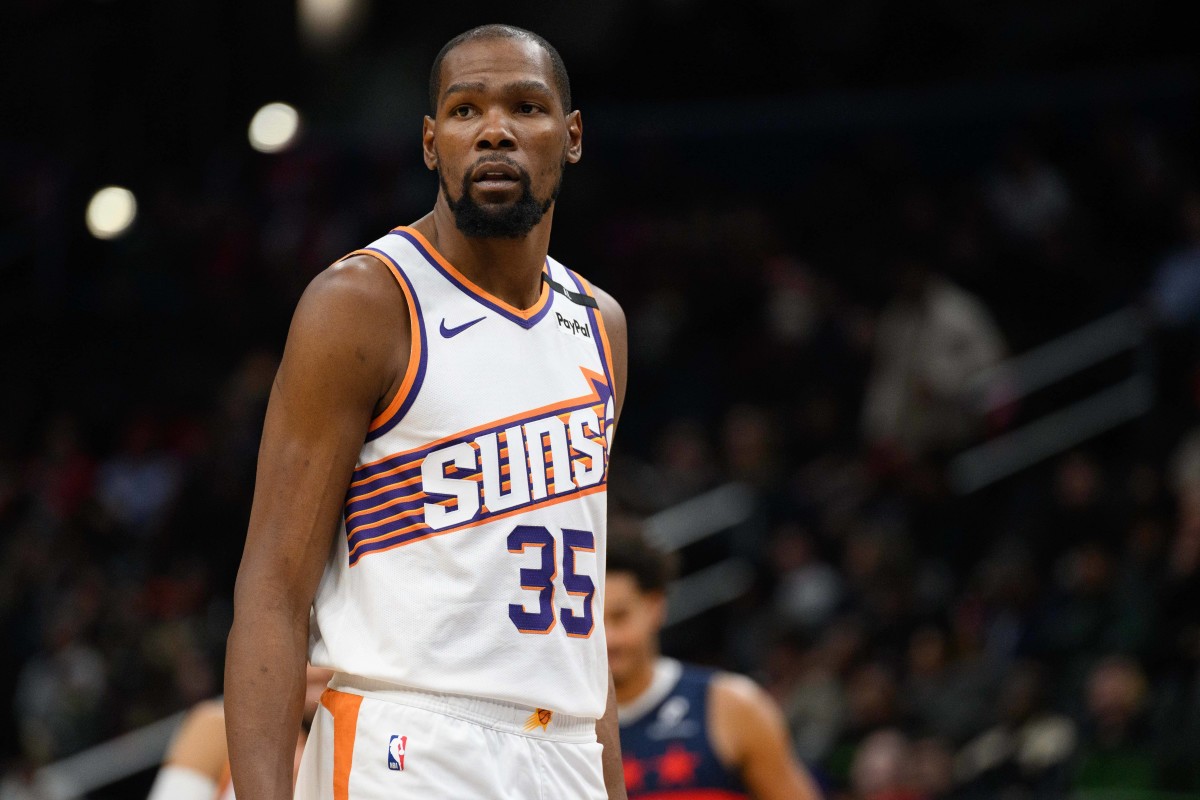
[(735, 154)]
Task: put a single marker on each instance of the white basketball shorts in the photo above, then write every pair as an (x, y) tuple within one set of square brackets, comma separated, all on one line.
[(371, 741)]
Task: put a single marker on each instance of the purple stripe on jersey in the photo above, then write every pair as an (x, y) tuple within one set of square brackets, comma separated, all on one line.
[(422, 347), (415, 458), (395, 532), (375, 530), (524, 323), (379, 481), (591, 312), (403, 495), (391, 541), (354, 526), (398, 532)]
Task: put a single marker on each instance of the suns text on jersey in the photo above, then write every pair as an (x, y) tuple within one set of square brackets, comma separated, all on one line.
[(499, 468)]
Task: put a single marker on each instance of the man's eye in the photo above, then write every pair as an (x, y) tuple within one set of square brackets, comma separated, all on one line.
[(528, 108), (462, 111)]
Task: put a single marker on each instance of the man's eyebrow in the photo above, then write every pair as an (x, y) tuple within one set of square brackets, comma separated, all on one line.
[(527, 86), (516, 87), (477, 86)]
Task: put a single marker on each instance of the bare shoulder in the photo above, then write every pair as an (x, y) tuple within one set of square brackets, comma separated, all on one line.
[(751, 727), (199, 744), (742, 715), (352, 318), (360, 287), (741, 696), (611, 311)]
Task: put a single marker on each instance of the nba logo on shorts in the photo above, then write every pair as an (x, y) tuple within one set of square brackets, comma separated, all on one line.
[(396, 752)]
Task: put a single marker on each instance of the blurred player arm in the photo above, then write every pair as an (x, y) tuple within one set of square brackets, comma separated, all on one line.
[(347, 343), (196, 758), (752, 732), (607, 731)]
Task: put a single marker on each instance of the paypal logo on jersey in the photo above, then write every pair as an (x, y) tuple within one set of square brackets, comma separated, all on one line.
[(573, 327)]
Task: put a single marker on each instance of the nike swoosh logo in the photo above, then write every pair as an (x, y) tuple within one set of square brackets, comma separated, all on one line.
[(450, 332)]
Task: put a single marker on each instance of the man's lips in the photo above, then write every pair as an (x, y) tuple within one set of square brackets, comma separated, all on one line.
[(495, 172)]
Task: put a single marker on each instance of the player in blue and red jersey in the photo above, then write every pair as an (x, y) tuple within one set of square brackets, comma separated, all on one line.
[(687, 732)]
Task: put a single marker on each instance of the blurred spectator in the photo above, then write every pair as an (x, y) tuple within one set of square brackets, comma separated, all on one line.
[(1175, 291), (139, 482), (63, 474), (932, 339), (872, 705), (808, 683), (1027, 195), (1116, 750), (882, 768), (947, 696), (931, 768), (1029, 747), (1078, 623), (61, 692), (808, 589)]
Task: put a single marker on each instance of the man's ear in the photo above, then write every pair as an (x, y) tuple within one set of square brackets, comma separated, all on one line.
[(574, 136), (428, 136), (657, 600)]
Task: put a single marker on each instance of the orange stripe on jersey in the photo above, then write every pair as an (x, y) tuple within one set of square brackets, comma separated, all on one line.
[(418, 341), (404, 498), (388, 488), (587, 287), (600, 487), (356, 529), (344, 708), (561, 407), (525, 313), (391, 471)]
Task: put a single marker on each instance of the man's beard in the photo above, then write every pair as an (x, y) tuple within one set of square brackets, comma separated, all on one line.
[(501, 222)]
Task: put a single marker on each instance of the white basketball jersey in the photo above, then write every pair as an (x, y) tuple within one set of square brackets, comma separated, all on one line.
[(470, 558)]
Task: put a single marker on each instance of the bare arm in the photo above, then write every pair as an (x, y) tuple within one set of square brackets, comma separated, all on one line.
[(607, 731), (339, 366), (750, 733), (199, 744), (195, 761)]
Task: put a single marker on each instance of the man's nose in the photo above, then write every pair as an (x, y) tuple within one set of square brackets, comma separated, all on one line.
[(496, 132)]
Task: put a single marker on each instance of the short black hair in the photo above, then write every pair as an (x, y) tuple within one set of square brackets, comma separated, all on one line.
[(561, 81), (630, 551)]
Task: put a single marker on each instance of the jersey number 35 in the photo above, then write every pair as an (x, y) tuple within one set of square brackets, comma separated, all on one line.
[(541, 580)]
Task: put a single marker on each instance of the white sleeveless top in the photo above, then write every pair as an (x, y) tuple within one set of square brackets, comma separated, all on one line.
[(470, 558)]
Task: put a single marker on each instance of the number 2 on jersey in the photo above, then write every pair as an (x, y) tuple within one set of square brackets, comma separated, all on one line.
[(541, 580)]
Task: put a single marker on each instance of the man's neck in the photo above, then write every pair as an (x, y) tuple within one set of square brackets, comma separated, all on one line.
[(636, 683), (509, 269)]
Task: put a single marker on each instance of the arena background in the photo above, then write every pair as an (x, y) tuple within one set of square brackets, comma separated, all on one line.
[(835, 229)]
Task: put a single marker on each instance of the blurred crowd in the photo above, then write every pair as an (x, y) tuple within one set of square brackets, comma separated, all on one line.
[(1036, 637)]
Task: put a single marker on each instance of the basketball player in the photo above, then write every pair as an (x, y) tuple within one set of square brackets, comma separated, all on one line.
[(429, 519), (687, 732), (196, 765)]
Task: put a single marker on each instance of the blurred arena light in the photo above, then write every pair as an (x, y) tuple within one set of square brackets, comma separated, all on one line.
[(274, 128), (327, 23), (110, 212)]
